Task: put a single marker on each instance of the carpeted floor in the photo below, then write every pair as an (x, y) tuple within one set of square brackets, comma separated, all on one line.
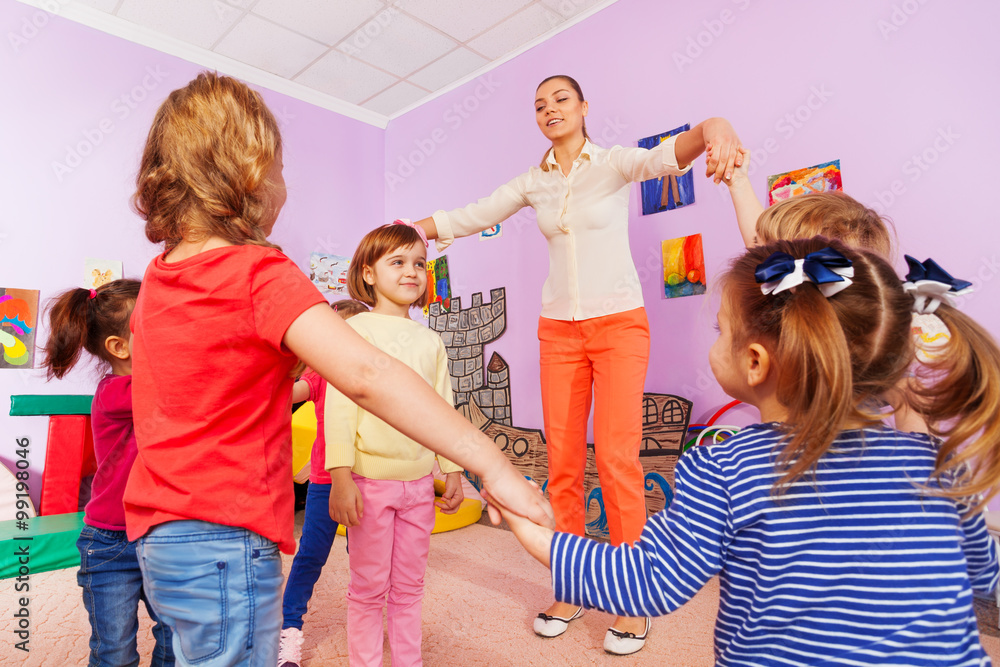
[(482, 591)]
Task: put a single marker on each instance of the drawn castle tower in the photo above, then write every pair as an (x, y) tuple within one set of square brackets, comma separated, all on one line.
[(465, 333)]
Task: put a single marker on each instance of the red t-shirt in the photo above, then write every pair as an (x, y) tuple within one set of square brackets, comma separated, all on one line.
[(212, 391), (317, 460), (114, 449)]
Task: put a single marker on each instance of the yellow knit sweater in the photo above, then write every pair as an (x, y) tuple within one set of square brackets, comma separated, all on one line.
[(360, 440)]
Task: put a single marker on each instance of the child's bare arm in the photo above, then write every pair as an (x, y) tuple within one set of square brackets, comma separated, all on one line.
[(748, 207), (390, 390)]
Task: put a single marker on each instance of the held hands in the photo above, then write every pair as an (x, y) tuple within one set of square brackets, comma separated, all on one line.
[(723, 150), (506, 487), (536, 539), (346, 505), (741, 173), (453, 494)]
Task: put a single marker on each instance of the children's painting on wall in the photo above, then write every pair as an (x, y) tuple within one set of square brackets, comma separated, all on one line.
[(329, 273), (438, 284), (668, 192), (97, 272), (494, 232), (683, 267), (18, 322), (819, 178)]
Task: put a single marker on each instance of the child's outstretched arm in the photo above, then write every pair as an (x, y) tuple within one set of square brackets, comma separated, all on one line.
[(748, 208), (391, 391), (680, 550), (718, 135)]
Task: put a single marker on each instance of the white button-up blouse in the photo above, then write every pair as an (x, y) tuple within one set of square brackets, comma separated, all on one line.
[(584, 217)]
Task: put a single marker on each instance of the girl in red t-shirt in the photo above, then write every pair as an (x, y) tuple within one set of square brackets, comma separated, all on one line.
[(223, 319), (96, 320)]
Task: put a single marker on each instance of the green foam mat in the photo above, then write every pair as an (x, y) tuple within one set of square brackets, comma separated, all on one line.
[(27, 405), (52, 544)]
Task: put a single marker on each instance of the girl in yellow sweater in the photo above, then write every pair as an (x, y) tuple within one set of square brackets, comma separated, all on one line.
[(383, 491)]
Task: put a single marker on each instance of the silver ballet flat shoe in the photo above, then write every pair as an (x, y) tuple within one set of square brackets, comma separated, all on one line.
[(553, 626), (625, 643)]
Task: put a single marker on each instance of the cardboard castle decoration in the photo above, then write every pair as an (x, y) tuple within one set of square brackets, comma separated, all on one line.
[(483, 396), (665, 422), (465, 332)]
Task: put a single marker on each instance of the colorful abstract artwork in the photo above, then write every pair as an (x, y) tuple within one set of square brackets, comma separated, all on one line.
[(18, 323), (683, 267), (97, 272), (494, 232), (329, 273), (668, 192), (819, 178), (438, 284)]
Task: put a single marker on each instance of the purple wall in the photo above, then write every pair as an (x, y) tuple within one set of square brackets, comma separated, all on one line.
[(901, 92), (874, 84), (70, 88)]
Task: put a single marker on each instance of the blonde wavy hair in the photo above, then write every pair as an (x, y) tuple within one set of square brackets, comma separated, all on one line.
[(205, 166), (834, 215)]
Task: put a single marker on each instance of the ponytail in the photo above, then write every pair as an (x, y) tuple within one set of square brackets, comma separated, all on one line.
[(958, 393), (814, 380), (82, 319)]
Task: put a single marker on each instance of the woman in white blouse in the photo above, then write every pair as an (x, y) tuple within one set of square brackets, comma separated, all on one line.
[(593, 331)]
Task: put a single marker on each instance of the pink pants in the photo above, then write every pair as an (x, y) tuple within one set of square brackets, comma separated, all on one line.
[(388, 556)]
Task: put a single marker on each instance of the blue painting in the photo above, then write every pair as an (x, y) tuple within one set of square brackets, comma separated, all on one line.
[(668, 192)]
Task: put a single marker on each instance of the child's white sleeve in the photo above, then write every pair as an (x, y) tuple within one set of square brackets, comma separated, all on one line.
[(442, 385)]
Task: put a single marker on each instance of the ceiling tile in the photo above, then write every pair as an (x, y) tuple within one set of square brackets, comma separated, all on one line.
[(193, 21), (344, 77), (569, 8), (398, 97), (516, 31), (326, 21), (399, 44), (448, 69), (270, 47), (463, 19)]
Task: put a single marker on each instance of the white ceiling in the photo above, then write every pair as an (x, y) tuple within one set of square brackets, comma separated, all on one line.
[(368, 59)]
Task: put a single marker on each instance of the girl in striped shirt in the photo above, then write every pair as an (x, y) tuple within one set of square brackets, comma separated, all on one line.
[(835, 539)]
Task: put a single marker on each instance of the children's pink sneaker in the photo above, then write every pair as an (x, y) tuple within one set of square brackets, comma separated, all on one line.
[(290, 648)]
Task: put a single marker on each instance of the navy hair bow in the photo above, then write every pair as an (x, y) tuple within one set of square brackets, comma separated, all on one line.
[(930, 285), (827, 268)]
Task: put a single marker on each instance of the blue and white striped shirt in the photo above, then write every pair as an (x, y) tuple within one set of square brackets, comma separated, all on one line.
[(857, 567)]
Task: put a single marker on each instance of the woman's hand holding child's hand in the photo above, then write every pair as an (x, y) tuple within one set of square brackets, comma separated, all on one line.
[(723, 150), (453, 494), (346, 505)]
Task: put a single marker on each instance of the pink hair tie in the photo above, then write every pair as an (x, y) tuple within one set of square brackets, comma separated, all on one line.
[(93, 293), (420, 230)]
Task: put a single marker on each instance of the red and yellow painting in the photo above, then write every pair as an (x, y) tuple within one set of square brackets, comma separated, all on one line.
[(683, 267), (18, 322)]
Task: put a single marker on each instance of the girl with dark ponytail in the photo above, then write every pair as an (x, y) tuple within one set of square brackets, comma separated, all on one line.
[(97, 320), (836, 539)]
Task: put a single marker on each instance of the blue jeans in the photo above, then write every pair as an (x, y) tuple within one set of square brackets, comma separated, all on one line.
[(112, 588), (318, 531), (218, 589)]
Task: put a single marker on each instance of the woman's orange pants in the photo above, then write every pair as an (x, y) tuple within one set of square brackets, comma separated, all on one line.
[(610, 354)]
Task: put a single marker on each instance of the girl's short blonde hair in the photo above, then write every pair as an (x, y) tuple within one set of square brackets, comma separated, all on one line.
[(834, 215)]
